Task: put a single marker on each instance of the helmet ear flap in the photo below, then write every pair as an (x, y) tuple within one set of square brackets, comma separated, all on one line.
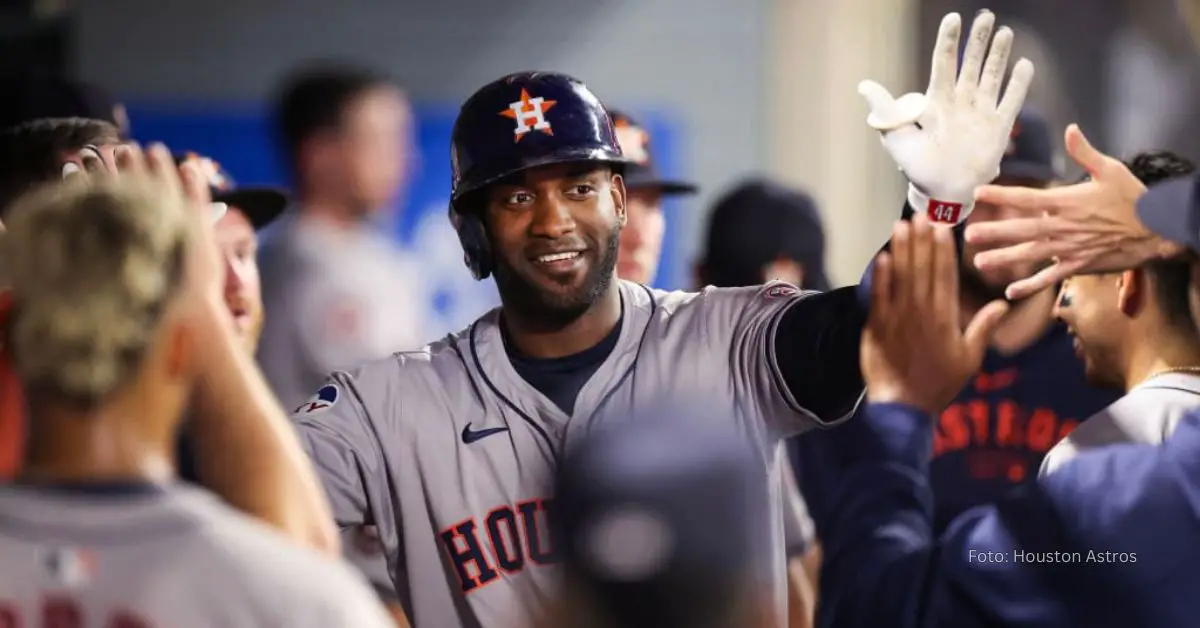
[(472, 235)]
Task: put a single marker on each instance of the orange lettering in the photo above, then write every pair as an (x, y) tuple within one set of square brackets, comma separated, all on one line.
[(952, 433), (1008, 429), (1043, 428), (980, 413)]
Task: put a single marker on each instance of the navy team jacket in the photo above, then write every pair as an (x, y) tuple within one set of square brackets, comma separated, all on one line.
[(1111, 539)]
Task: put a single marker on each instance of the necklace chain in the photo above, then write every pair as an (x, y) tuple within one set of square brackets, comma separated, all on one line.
[(1191, 370)]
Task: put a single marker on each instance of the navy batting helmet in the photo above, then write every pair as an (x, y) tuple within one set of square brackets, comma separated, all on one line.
[(521, 121)]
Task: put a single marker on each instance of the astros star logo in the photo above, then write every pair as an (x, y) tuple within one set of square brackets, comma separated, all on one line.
[(530, 114)]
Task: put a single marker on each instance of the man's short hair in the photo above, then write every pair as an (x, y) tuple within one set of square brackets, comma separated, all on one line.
[(1172, 278), (93, 269), (315, 99), (31, 153)]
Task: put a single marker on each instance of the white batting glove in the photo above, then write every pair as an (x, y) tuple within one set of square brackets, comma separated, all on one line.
[(950, 140)]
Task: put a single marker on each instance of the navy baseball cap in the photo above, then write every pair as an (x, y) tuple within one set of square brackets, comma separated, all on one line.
[(261, 205), (1030, 153), (1171, 209), (760, 221), (642, 172), (665, 521)]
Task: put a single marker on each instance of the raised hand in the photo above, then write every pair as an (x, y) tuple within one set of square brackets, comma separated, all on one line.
[(1088, 227), (914, 350), (951, 139)]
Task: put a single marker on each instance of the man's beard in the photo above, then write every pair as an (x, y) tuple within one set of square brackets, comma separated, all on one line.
[(253, 334), (553, 309)]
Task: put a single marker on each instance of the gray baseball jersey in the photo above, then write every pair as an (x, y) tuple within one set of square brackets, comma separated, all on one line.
[(333, 300), (799, 531), (451, 453), (1148, 413), (176, 557)]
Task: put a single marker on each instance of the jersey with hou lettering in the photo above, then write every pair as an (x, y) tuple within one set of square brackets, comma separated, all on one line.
[(451, 453), (175, 557)]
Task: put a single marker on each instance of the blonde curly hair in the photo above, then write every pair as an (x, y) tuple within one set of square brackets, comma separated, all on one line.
[(93, 267)]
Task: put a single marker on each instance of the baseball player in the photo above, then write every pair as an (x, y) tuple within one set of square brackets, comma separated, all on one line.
[(1031, 390), (112, 285), (253, 459), (1134, 332), (336, 290), (759, 231), (663, 520), (450, 451), (645, 189)]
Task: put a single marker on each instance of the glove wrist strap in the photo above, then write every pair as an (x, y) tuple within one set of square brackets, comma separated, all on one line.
[(938, 210)]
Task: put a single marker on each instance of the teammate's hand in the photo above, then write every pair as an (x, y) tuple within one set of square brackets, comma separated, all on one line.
[(205, 281), (914, 350), (1088, 227), (950, 140)]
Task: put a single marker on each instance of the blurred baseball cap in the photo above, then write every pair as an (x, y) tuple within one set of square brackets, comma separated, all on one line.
[(1171, 208), (1030, 153), (642, 172), (29, 98), (261, 205), (760, 221), (665, 521)]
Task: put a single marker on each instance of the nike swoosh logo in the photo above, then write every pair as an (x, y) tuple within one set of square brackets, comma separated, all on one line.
[(469, 436)]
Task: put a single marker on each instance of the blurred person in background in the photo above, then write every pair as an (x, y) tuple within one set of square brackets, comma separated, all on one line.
[(249, 456), (760, 231), (1133, 330), (1031, 391), (663, 521), (111, 333), (642, 237), (249, 211), (337, 291)]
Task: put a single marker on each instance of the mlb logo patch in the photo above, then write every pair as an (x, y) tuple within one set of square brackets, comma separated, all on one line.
[(69, 566), (323, 400)]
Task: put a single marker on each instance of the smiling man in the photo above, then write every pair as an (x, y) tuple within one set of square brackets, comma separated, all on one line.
[(1134, 332)]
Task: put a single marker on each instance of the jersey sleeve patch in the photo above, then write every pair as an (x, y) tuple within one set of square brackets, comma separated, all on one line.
[(781, 291), (320, 402)]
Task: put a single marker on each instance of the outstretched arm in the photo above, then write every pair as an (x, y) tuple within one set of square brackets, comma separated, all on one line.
[(947, 141), (1074, 550)]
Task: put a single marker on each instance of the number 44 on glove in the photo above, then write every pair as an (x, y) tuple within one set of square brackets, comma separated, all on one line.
[(950, 140)]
